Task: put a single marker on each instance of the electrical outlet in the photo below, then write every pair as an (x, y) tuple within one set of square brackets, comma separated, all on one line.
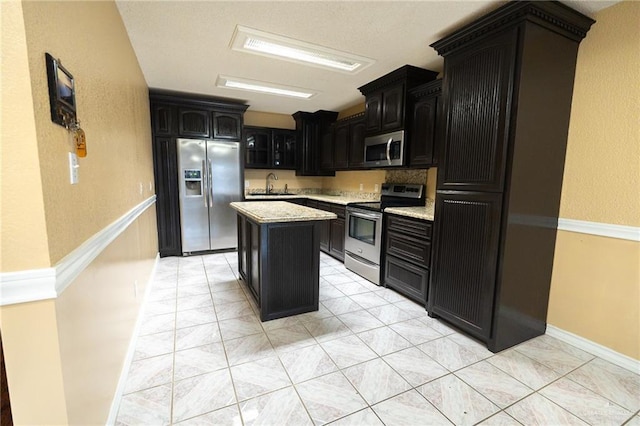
[(140, 188), (73, 168), (375, 188), (246, 184), (361, 187), (150, 186)]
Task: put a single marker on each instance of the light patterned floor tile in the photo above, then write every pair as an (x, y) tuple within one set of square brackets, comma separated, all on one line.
[(321, 313), (409, 408), (360, 321), (500, 419), (550, 356), (366, 417), (282, 407), (502, 389), (376, 381), (160, 307), (158, 324), (199, 360), (338, 278), (369, 300), (415, 331), (240, 327), (228, 416), (329, 397), (200, 394), (198, 335), (327, 329), (390, 314), (390, 296), (613, 382), (384, 340), (259, 377), (154, 345), (458, 401), (162, 294), (449, 354), (415, 366), (547, 340), (439, 325), (352, 288), (347, 351), (307, 363), (195, 317), (341, 305), (290, 338), (537, 410), (585, 404), (228, 296), (248, 348), (280, 323), (478, 348), (635, 421), (328, 292), (233, 310), (224, 285), (149, 372), (150, 406), (523, 368)]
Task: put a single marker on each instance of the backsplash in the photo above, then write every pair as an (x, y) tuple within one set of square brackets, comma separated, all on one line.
[(317, 191), (406, 176)]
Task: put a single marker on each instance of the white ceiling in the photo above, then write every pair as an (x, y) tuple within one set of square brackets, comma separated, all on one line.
[(184, 45)]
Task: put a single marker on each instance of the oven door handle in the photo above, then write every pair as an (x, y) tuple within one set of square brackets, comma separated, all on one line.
[(365, 215)]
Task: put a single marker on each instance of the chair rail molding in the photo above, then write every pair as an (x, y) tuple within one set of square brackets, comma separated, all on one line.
[(48, 283)]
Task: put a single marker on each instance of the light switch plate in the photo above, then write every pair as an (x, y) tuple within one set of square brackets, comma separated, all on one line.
[(74, 177)]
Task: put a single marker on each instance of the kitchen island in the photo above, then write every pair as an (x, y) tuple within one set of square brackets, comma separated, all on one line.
[(279, 255)]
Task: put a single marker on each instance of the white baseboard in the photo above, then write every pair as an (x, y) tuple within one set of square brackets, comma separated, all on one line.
[(49, 283), (594, 348), (117, 398), (601, 229)]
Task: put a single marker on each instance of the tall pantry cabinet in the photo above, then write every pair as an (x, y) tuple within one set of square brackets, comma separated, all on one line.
[(507, 87)]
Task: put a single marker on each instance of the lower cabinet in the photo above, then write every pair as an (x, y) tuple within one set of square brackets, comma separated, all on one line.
[(331, 231), (407, 256)]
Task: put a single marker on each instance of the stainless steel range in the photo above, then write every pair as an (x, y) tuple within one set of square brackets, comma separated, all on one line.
[(363, 233)]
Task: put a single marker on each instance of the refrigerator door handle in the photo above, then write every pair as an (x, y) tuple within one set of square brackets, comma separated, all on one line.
[(210, 184), (204, 183)]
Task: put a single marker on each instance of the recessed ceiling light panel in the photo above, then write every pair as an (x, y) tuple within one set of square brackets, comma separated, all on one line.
[(262, 43), (264, 87)]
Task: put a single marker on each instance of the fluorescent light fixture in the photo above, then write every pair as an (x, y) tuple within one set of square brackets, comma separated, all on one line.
[(271, 45), (263, 87)]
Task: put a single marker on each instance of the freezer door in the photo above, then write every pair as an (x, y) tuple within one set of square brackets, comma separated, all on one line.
[(225, 187), (192, 179)]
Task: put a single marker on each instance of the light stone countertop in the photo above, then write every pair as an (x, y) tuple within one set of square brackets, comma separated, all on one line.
[(421, 212), (279, 211), (336, 199)]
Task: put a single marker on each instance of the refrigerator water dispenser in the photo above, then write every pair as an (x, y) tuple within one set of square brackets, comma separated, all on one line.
[(192, 183)]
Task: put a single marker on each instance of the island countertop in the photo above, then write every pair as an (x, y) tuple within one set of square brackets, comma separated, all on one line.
[(425, 212), (279, 211)]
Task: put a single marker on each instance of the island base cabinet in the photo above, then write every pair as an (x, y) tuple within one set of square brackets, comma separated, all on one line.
[(283, 265)]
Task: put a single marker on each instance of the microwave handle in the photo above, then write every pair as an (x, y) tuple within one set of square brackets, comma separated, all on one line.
[(389, 150)]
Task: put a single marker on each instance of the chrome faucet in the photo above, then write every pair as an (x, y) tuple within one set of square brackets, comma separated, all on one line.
[(269, 188)]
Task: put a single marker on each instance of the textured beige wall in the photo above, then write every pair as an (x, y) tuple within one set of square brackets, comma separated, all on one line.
[(96, 317), (22, 222), (113, 107), (32, 357), (351, 180), (596, 280), (269, 119)]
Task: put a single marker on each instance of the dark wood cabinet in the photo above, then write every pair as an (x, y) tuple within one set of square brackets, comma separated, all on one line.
[(407, 256), (386, 99), (268, 148), (331, 231), (326, 150), (356, 142), (227, 126), (165, 165), (179, 115), (193, 122), (341, 145), (283, 149), (426, 127), (325, 228), (164, 119), (507, 88), (312, 132)]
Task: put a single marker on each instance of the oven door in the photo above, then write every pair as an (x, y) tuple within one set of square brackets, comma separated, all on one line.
[(363, 234)]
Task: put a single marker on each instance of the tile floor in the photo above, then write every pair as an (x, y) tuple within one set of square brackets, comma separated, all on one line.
[(367, 357)]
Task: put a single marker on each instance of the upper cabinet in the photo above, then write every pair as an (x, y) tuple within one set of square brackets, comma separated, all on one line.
[(227, 125), (344, 150), (386, 99), (313, 131), (426, 124), (267, 148), (193, 122)]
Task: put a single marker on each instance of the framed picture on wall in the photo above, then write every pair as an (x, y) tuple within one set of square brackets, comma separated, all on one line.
[(62, 93)]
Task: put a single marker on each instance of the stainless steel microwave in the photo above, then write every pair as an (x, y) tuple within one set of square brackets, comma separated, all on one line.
[(384, 150)]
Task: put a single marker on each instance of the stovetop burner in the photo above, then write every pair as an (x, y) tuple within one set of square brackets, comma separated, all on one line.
[(395, 195)]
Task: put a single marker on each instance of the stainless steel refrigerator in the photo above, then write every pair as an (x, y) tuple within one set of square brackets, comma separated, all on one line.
[(209, 178)]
